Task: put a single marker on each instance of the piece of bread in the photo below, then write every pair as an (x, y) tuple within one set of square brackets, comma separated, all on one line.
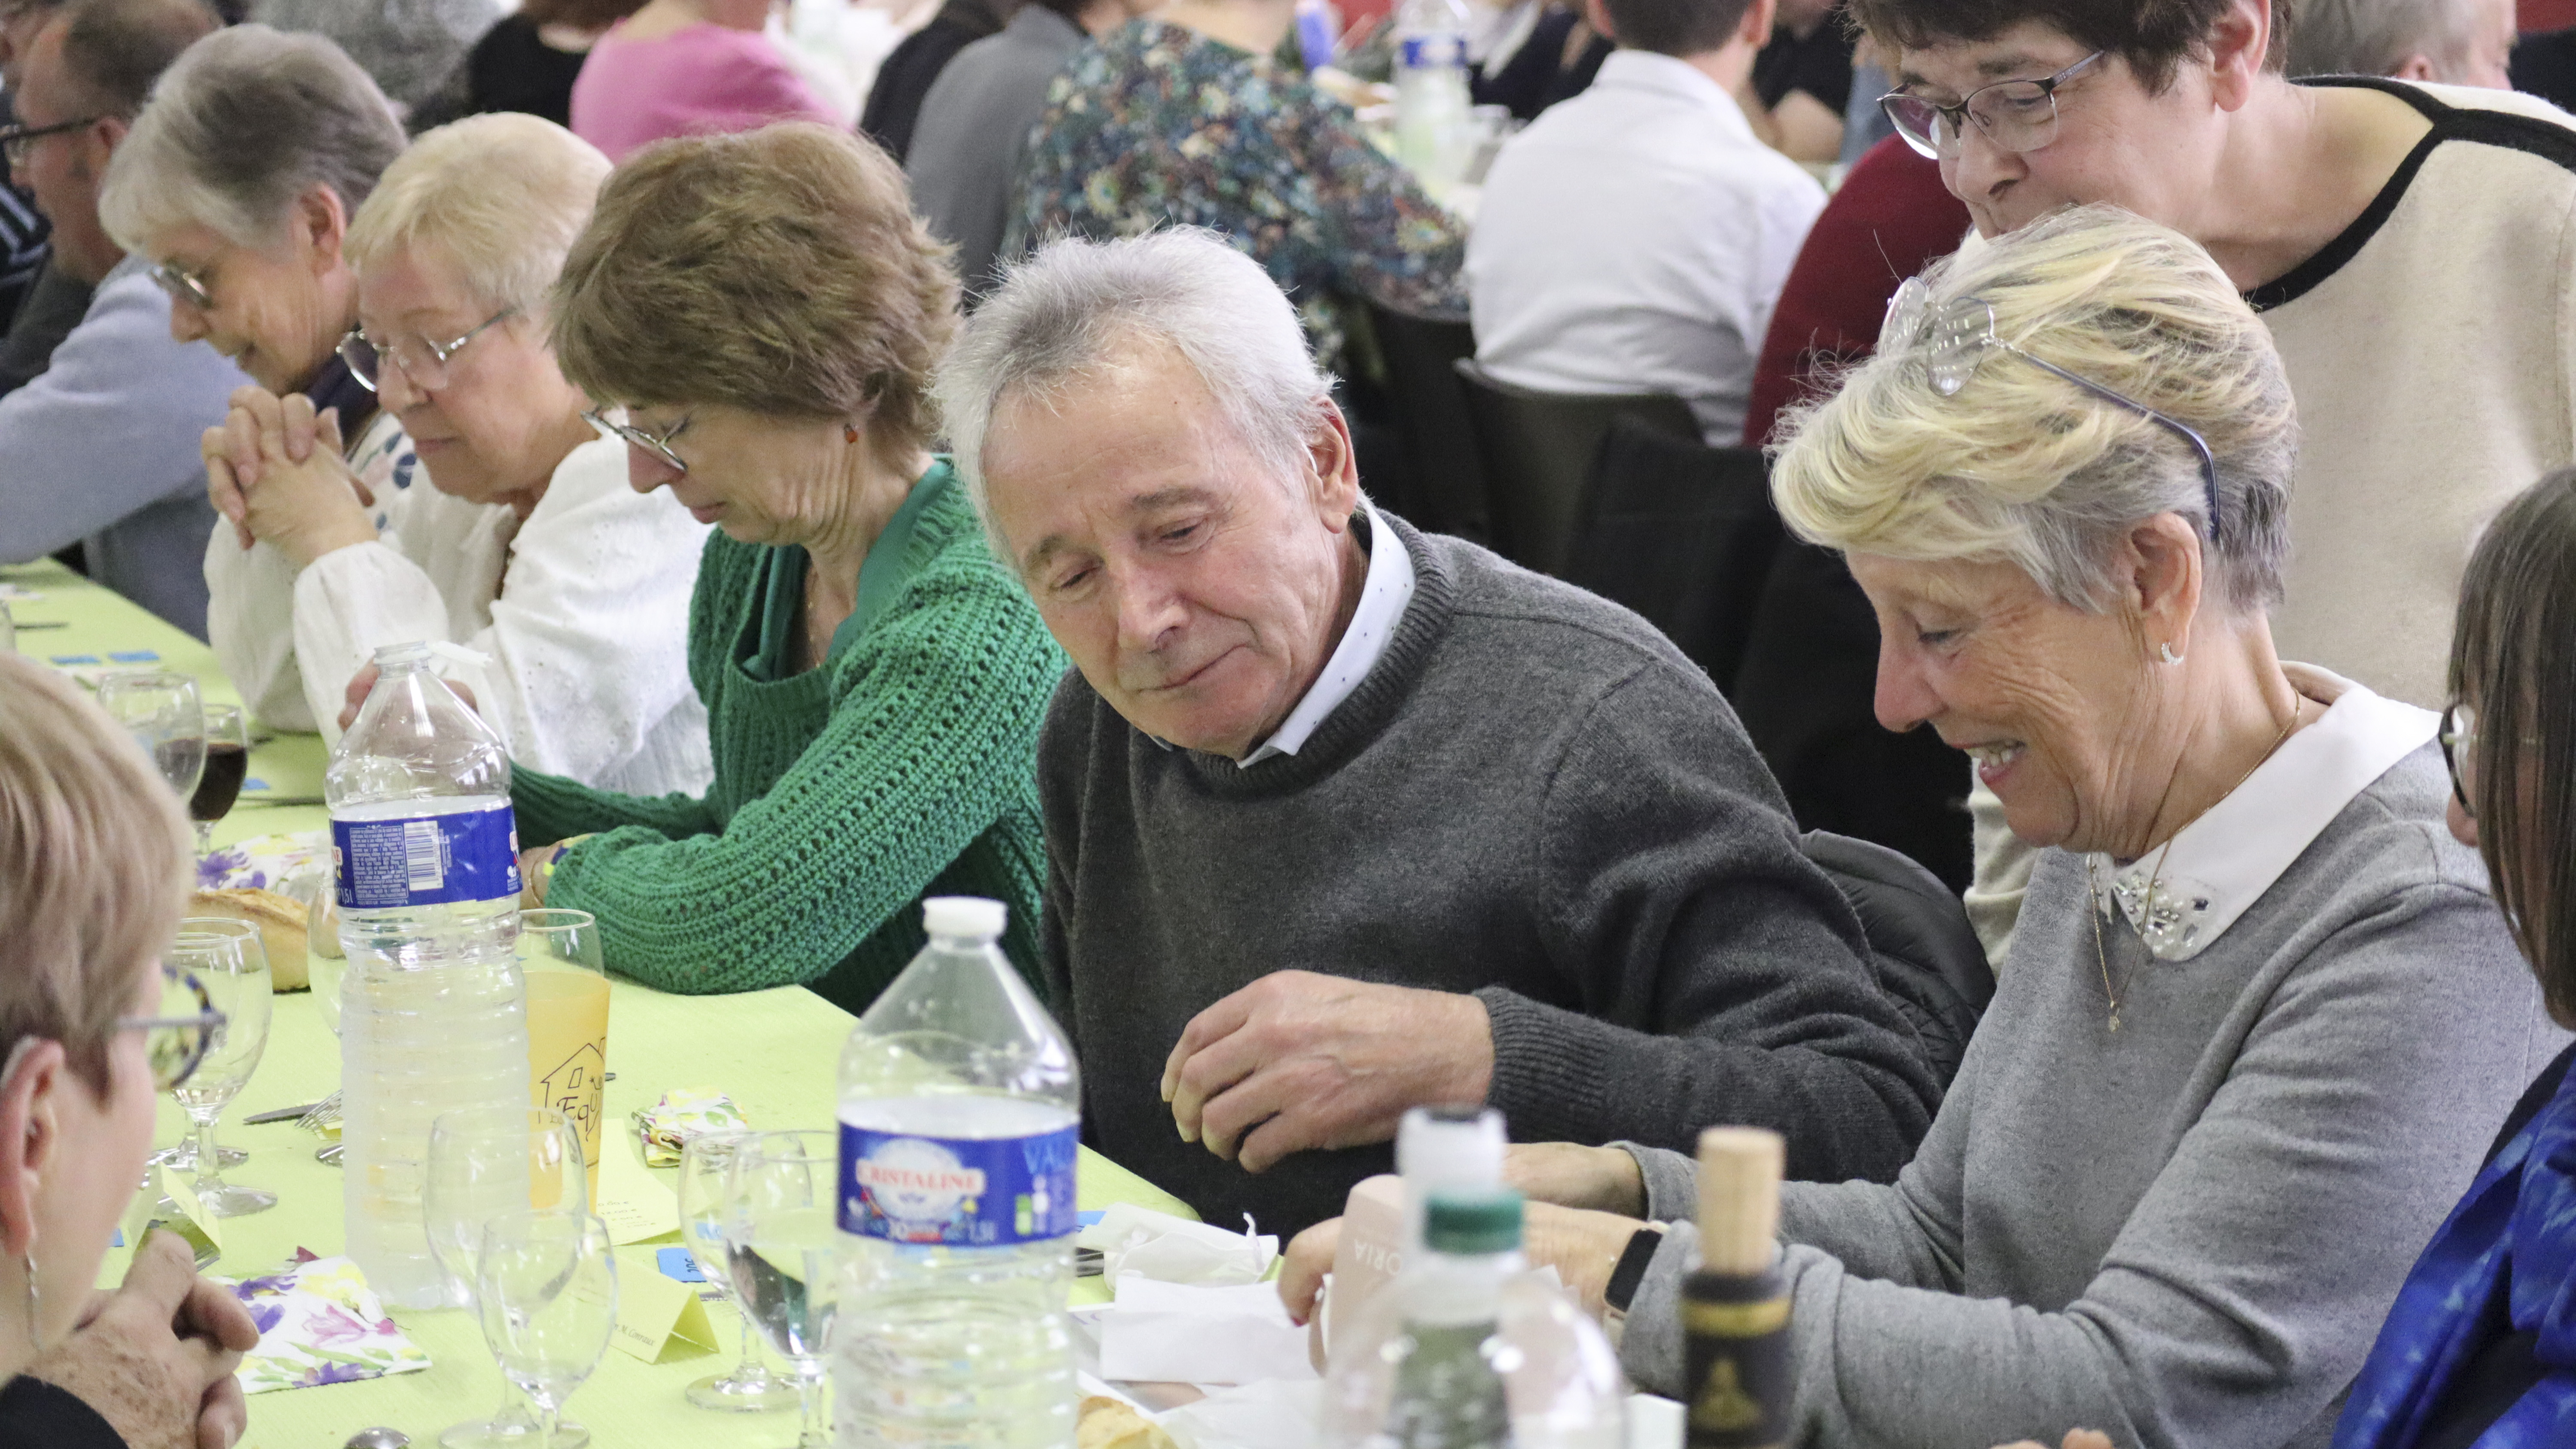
[(281, 928), (1106, 1423)]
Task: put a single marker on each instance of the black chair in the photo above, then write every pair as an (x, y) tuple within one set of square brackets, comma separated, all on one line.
[(1538, 449), (1927, 957), (1807, 696), (1443, 485), (1682, 533)]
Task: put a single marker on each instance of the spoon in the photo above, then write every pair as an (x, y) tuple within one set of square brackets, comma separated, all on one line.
[(378, 1438)]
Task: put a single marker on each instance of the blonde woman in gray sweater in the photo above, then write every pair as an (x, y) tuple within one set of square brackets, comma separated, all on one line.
[(2262, 1014)]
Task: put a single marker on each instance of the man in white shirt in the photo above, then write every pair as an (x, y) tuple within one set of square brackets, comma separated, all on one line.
[(1635, 238)]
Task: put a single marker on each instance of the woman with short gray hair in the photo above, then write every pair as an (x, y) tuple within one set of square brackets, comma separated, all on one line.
[(2261, 1012)]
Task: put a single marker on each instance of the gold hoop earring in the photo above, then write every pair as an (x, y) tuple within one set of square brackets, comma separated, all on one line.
[(35, 1300)]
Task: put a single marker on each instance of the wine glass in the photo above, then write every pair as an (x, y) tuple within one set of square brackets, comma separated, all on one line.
[(485, 1163), (703, 1165), (183, 1154), (545, 1284), (227, 958), (164, 714), (779, 1249), (227, 765)]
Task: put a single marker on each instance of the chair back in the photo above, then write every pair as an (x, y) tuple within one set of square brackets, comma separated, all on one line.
[(1681, 532), (1538, 449), (1927, 957), (1443, 488)]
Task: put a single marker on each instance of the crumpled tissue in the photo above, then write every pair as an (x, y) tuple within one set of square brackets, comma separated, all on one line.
[(1179, 1333), (1156, 1245)]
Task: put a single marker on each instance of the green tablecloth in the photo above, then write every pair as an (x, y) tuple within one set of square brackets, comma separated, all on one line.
[(774, 1052)]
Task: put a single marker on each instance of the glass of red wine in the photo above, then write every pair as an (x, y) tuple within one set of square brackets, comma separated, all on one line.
[(227, 763)]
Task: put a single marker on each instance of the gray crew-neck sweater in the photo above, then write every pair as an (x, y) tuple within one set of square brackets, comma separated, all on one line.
[(2185, 1233), (1533, 797)]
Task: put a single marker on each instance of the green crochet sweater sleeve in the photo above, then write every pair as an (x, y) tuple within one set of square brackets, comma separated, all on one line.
[(931, 741), (552, 808)]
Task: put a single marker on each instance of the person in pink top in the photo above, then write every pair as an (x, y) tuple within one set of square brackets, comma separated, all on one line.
[(685, 68)]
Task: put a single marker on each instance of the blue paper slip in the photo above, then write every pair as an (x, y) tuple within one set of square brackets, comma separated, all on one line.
[(75, 659), (676, 1263), (119, 1240), (1089, 1219), (133, 656), (254, 783)]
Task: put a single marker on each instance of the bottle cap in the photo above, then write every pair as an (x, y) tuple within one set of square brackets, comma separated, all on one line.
[(1739, 1199), (1450, 1147), (971, 917), (1473, 1222)]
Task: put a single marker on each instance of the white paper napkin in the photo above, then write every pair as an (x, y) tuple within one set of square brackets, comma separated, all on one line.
[(1177, 1333), (1156, 1245)]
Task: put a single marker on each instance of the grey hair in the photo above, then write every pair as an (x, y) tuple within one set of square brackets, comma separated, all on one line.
[(2375, 37), (1077, 306), (246, 121)]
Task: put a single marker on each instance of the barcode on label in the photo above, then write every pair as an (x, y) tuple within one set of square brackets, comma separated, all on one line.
[(421, 862)]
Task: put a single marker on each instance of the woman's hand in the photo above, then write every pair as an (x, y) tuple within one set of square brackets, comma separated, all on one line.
[(156, 1357), (1584, 1247), (274, 469), (1599, 1179), (363, 683)]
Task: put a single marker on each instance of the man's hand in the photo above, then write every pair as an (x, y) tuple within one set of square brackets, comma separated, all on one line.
[(363, 683), (1583, 1247), (156, 1358), (1599, 1179), (1297, 1061), (274, 469)]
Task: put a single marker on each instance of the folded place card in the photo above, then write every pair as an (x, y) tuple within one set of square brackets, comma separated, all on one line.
[(652, 1310), (635, 1204), (174, 1186), (319, 1323)]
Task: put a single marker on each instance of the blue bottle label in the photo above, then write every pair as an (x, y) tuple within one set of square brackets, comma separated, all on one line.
[(971, 1192), (1435, 51), (427, 860)]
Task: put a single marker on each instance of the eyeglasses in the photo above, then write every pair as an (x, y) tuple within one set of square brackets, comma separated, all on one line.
[(183, 286), (2459, 737), (635, 437), (176, 1041), (17, 141), (2019, 116), (1953, 341), (421, 360)]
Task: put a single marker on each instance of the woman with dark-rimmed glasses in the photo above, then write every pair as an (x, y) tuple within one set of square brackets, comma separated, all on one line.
[(94, 870)]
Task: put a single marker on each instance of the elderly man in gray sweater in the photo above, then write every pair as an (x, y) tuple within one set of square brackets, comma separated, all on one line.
[(1343, 819)]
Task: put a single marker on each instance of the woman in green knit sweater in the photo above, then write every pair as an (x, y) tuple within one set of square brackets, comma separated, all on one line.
[(767, 312)]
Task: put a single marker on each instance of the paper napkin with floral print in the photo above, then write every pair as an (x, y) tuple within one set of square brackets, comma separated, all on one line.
[(319, 1323)]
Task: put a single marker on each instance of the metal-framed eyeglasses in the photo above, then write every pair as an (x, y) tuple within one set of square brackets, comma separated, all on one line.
[(1949, 343), (176, 1041), (422, 361), (16, 141), (656, 444), (2019, 116), (2459, 737), (183, 285)]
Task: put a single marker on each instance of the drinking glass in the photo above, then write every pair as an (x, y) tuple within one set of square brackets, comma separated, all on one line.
[(545, 1285), (8, 630), (227, 765), (485, 1163), (779, 1248), (567, 1019), (228, 959), (703, 1165), (164, 714), (183, 1154)]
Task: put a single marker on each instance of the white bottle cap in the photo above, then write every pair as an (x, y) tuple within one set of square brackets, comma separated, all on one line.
[(1438, 1149), (971, 917)]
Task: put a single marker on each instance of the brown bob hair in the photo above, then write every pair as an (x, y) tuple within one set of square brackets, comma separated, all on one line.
[(2153, 36), (779, 271)]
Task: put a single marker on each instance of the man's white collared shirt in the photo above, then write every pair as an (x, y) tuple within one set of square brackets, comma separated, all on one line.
[(1635, 239), (1383, 595)]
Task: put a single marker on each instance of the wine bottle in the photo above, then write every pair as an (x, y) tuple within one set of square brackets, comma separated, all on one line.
[(1735, 1306)]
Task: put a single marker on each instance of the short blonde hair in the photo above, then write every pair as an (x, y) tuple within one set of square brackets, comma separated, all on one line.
[(2024, 467), (501, 196), (780, 271), (95, 862)]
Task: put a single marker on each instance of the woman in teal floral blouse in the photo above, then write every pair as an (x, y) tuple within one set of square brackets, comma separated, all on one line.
[(1185, 118)]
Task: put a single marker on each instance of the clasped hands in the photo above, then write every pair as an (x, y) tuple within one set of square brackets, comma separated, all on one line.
[(156, 1357), (274, 470)]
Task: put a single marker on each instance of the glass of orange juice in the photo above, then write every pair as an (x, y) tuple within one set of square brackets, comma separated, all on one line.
[(567, 1021)]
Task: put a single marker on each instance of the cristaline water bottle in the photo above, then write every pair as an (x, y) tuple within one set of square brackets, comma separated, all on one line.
[(1432, 105), (433, 1009), (960, 1117)]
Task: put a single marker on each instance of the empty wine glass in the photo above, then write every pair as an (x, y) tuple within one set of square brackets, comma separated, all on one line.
[(703, 1164), (779, 1248), (545, 1286), (164, 714), (485, 1163), (227, 958), (227, 765), (183, 1154)]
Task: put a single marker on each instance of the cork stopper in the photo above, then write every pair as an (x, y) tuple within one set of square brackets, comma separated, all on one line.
[(1739, 1198)]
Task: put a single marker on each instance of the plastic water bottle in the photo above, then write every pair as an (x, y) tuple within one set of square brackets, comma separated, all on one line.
[(960, 1119), (1433, 131), (1468, 1349), (433, 1008)]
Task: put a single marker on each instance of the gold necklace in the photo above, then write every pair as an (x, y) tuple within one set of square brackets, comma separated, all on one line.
[(2156, 877)]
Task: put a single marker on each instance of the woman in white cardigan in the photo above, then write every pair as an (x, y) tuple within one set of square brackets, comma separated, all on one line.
[(527, 547)]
